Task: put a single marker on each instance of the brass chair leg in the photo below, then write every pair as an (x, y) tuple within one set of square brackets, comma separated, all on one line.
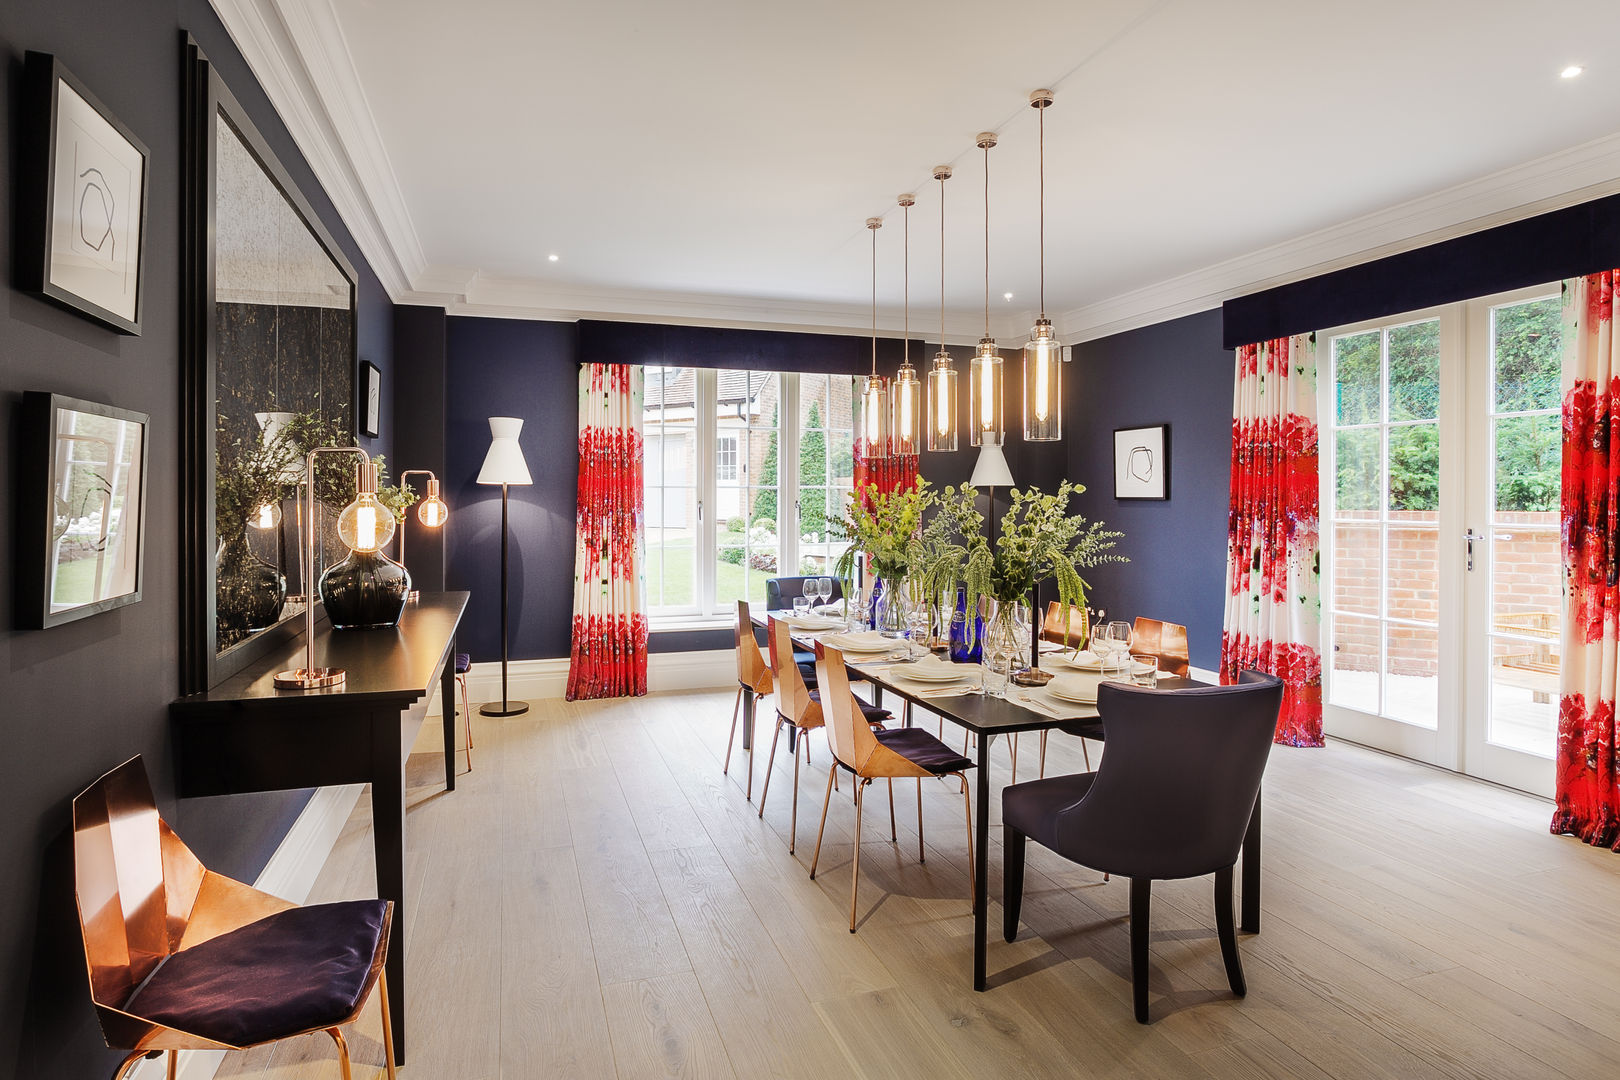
[(735, 709), (174, 1055), (343, 1052), (1044, 733), (388, 1027), (748, 789), (967, 800), (466, 713), (1013, 740), (769, 761), (814, 859), (1085, 752), (921, 854), (894, 833), (855, 872), (793, 826)]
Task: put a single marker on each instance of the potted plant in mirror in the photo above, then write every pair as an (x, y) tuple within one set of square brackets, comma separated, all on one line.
[(883, 526), (254, 476)]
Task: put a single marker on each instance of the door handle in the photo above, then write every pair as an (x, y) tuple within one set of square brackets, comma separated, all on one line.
[(1468, 546)]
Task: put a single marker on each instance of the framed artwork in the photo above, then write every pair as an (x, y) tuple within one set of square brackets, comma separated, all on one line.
[(370, 385), (82, 220), (1142, 462), (82, 536)]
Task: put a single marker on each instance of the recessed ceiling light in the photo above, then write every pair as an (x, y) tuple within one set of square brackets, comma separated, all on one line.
[(1006, 296), (553, 258), (1571, 71)]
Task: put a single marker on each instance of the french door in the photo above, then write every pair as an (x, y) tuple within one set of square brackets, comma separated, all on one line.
[(1440, 481)]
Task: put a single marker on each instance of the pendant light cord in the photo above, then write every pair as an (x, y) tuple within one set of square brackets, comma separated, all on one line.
[(1042, 111), (874, 300), (942, 264), (987, 241), (906, 281)]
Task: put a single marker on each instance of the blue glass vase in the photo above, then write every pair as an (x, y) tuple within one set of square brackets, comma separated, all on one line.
[(961, 652)]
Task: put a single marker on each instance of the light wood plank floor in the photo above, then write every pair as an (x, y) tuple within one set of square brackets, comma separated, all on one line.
[(597, 900)]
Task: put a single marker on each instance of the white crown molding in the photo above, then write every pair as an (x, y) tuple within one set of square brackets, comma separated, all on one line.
[(1588, 171), (298, 53)]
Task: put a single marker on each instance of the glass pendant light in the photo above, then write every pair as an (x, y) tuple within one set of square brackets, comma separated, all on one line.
[(984, 388), (874, 388), (905, 432), (1043, 377), (942, 379)]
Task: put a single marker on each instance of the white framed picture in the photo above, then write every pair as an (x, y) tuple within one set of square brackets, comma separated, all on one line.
[(85, 226), (1142, 462)]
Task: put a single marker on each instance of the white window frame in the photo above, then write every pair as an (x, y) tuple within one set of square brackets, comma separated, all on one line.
[(704, 612)]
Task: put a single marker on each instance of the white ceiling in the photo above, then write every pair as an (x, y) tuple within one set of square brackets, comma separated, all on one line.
[(715, 159)]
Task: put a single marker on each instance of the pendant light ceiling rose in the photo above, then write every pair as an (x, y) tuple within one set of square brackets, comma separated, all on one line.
[(942, 172), (984, 140), (1040, 99)]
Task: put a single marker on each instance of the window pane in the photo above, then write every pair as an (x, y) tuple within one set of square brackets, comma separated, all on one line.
[(1413, 583), (1358, 478), (1355, 663), (1414, 371), (1412, 674), (669, 429), (826, 465), (1527, 343), (1357, 371), (1529, 453), (1414, 468), (1358, 566), (1524, 686), (747, 484)]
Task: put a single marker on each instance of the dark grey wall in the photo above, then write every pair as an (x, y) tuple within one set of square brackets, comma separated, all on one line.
[(81, 698), (420, 413), (1174, 373)]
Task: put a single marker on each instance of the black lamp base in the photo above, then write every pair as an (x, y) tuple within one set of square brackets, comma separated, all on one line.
[(507, 708)]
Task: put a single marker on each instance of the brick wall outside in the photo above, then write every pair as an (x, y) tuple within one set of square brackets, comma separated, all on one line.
[(1526, 582)]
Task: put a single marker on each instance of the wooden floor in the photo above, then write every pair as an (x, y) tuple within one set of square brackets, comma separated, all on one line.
[(597, 900)]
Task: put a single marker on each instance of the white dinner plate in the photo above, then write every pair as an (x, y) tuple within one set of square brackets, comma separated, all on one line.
[(867, 641), (1079, 691), (812, 622), (1087, 661), (936, 672)]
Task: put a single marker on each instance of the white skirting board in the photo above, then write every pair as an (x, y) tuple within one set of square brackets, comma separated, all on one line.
[(536, 680), (290, 874)]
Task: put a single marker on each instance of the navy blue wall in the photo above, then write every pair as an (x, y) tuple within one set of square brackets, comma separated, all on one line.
[(1174, 373), (523, 368), (81, 698)]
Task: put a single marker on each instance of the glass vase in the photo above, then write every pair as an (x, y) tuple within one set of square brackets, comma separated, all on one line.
[(890, 613), (249, 593), (366, 591), (1006, 636)]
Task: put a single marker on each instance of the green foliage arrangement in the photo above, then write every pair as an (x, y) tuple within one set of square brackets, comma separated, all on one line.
[(399, 498), (249, 472), (884, 525)]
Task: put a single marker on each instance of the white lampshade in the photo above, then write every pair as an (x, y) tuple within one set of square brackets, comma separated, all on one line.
[(991, 468), (504, 463)]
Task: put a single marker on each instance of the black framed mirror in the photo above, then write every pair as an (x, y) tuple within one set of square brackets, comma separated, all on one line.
[(269, 339)]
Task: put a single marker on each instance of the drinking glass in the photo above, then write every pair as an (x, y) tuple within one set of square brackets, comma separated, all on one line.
[(1120, 634), (996, 670), (1145, 670), (824, 589), (801, 606)]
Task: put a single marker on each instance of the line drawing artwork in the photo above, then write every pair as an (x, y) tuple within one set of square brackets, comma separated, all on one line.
[(97, 209), (1140, 464)]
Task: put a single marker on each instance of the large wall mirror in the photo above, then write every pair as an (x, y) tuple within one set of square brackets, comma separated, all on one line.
[(270, 343)]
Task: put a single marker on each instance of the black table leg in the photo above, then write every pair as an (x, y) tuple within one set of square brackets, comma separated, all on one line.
[(1251, 872), (447, 703), (981, 865), (388, 846)]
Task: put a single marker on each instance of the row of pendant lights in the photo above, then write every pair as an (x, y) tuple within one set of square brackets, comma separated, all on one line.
[(901, 417)]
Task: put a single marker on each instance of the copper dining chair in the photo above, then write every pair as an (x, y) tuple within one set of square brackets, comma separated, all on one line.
[(753, 677), (1071, 629), (871, 754), (182, 958), (798, 706), (1165, 640)]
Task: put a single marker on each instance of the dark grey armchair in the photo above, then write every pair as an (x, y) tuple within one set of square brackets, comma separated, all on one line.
[(780, 591), (1171, 799)]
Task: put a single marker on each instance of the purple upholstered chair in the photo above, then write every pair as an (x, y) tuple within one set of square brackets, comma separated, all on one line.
[(1171, 799)]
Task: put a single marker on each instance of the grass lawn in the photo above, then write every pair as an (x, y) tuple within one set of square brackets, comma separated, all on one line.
[(76, 580)]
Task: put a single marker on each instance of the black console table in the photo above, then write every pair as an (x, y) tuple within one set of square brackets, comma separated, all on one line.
[(245, 735)]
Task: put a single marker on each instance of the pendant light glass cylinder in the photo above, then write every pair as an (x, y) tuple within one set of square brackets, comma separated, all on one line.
[(1043, 386), (986, 418), (906, 431), (874, 418), (941, 412)]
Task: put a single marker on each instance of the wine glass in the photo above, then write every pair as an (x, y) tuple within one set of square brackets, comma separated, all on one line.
[(824, 589), (1120, 634)]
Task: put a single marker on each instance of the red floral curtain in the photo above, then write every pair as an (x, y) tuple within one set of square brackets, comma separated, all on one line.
[(889, 472), (608, 657), (1588, 791), (1273, 548)]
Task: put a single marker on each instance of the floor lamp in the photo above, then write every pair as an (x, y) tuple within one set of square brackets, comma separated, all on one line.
[(504, 465)]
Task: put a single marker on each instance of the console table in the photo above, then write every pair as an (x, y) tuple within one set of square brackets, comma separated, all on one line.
[(245, 735)]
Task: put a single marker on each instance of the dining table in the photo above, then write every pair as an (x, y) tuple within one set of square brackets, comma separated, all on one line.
[(986, 716)]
